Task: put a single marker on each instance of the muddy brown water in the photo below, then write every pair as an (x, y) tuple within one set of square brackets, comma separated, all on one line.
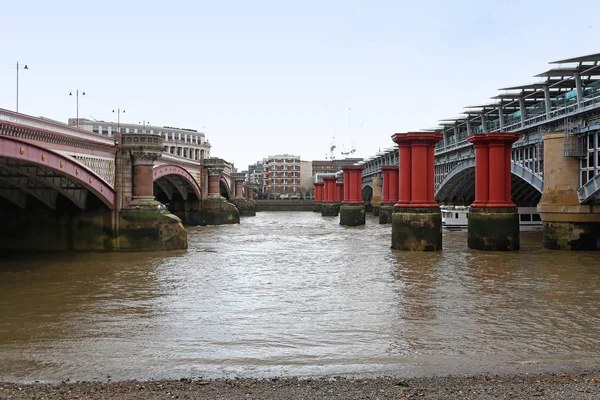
[(293, 293)]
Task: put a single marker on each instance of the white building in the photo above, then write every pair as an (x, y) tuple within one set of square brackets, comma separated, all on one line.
[(187, 143)]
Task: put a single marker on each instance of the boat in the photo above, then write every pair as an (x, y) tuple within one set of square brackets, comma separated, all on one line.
[(457, 217)]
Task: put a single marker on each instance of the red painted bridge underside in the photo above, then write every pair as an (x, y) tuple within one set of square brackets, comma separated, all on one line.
[(163, 170), (29, 153)]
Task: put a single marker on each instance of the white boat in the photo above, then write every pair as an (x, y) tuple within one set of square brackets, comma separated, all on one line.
[(457, 217)]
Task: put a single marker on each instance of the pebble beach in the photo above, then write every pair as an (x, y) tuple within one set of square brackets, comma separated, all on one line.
[(574, 384)]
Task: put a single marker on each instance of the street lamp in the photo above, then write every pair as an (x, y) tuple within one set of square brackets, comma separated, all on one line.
[(119, 111), (77, 95), (25, 67), (144, 125)]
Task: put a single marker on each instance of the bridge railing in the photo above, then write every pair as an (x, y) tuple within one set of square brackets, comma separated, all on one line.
[(51, 126)]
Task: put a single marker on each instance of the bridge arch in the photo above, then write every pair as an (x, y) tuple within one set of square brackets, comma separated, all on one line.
[(367, 192), (225, 188), (172, 179), (458, 186), (42, 173)]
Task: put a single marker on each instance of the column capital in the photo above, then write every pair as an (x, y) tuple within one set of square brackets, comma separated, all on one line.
[(353, 167), (388, 168)]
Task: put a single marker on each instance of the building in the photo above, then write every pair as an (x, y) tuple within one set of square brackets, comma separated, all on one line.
[(186, 143), (322, 168), (282, 174)]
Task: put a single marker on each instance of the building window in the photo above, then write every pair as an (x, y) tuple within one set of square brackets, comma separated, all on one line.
[(95, 129)]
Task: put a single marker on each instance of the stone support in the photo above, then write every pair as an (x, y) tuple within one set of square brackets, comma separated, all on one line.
[(417, 220), (245, 206), (330, 206), (376, 199), (493, 217), (390, 193), (318, 200), (567, 225), (352, 210), (214, 189)]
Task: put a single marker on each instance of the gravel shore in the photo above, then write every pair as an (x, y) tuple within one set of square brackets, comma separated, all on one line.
[(581, 384)]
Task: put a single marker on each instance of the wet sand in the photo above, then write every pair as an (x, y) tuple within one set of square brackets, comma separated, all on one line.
[(574, 384)]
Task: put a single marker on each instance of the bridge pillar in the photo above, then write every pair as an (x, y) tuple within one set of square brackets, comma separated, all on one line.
[(352, 210), (214, 189), (339, 191), (567, 225), (245, 206), (390, 193), (493, 218), (376, 199), (216, 210), (330, 206), (417, 220), (318, 200), (144, 223)]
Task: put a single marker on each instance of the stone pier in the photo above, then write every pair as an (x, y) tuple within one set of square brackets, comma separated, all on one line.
[(318, 201), (390, 193), (417, 220), (352, 210), (330, 206), (567, 225), (493, 218), (245, 206), (145, 224), (377, 196)]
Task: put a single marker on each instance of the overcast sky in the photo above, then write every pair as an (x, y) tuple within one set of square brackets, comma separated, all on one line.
[(270, 77)]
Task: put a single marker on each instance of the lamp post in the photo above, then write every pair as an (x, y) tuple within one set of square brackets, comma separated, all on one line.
[(25, 67), (119, 111), (144, 125), (77, 96)]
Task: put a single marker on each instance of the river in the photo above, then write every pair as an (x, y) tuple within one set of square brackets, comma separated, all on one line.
[(294, 293)]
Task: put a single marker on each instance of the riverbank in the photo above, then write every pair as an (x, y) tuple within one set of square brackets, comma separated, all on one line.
[(575, 384)]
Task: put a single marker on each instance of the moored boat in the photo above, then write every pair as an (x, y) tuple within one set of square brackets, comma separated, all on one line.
[(457, 217)]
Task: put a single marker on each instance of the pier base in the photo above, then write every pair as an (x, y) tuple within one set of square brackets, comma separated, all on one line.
[(330, 209), (352, 214), (215, 211), (494, 229), (579, 236), (385, 213), (148, 226), (417, 229), (245, 207), (317, 206)]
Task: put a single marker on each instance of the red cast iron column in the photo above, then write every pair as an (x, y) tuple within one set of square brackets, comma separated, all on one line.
[(353, 174), (329, 189), (339, 191), (319, 191), (404, 176), (390, 184), (500, 145), (482, 166), (422, 169)]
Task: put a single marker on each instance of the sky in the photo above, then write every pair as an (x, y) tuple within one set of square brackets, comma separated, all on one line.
[(263, 78)]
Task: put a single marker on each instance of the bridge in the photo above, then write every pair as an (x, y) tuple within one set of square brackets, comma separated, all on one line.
[(63, 188), (558, 123)]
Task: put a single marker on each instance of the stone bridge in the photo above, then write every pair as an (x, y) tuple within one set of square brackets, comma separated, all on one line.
[(65, 188)]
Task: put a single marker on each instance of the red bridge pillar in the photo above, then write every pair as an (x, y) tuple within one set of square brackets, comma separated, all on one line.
[(416, 221), (318, 196), (352, 210), (214, 189), (339, 191), (390, 193), (330, 206), (493, 217)]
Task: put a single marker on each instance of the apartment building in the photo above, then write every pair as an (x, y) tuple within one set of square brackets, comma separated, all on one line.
[(282, 174)]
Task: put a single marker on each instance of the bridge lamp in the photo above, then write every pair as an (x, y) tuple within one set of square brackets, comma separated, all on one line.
[(77, 95), (18, 67)]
